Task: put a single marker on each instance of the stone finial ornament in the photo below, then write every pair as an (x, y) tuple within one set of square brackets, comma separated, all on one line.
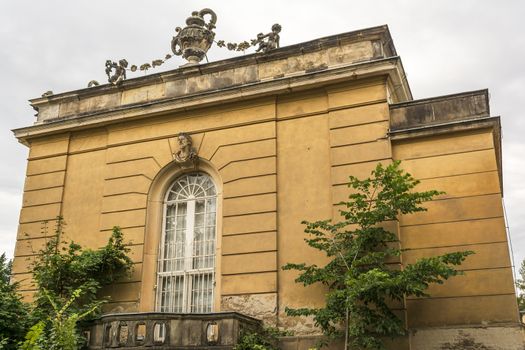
[(120, 71), (194, 40), (192, 43), (269, 41), (186, 152)]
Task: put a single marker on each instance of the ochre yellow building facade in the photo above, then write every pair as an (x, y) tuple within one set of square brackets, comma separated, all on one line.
[(279, 134)]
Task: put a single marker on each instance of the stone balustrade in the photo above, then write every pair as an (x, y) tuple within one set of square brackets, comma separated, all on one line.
[(168, 330)]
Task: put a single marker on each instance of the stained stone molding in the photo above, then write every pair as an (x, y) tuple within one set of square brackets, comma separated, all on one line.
[(282, 70), (445, 114)]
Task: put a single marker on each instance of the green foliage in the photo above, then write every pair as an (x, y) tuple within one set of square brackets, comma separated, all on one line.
[(68, 280), (362, 281), (520, 283), (59, 331), (13, 312), (265, 339), (35, 337), (63, 333), (253, 341), (62, 268)]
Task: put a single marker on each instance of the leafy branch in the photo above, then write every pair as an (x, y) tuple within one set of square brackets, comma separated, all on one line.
[(68, 280), (361, 279)]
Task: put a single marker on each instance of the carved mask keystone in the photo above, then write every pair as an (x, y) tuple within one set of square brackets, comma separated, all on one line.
[(186, 154)]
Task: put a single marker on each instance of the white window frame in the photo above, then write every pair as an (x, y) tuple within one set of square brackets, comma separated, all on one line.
[(196, 282)]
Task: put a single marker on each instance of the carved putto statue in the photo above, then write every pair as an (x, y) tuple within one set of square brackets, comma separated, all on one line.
[(194, 40), (120, 71), (272, 39), (186, 152)]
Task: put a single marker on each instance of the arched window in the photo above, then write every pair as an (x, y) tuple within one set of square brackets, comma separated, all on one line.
[(186, 263)]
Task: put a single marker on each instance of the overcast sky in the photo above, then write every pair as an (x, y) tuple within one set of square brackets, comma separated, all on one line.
[(447, 46)]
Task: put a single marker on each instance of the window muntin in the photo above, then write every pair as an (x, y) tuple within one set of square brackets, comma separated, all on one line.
[(185, 277)]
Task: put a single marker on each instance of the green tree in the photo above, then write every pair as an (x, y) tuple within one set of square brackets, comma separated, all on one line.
[(266, 338), (361, 279), (62, 333), (62, 268), (68, 280), (13, 312), (520, 283)]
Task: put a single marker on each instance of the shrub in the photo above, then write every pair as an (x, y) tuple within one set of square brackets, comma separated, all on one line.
[(13, 312)]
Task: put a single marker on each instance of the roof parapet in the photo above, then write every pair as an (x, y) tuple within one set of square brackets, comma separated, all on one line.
[(335, 51)]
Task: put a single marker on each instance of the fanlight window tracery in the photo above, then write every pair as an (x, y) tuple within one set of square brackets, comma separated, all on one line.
[(186, 264)]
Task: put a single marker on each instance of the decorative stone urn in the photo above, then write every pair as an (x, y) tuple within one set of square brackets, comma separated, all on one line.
[(193, 41)]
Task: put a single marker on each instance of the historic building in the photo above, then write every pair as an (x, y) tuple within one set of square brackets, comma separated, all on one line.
[(209, 170)]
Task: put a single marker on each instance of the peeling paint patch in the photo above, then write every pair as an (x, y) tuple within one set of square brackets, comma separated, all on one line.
[(260, 306)]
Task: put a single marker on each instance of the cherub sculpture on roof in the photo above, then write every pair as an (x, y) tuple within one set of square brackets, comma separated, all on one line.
[(120, 71), (269, 41)]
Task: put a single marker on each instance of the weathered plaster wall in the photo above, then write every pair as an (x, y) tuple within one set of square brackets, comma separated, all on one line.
[(473, 338), (468, 217), (102, 178), (322, 139), (107, 174), (186, 82)]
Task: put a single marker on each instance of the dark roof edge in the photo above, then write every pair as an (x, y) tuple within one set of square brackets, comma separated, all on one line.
[(437, 126), (442, 98)]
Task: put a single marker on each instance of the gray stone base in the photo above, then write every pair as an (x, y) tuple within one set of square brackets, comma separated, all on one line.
[(156, 330), (510, 337)]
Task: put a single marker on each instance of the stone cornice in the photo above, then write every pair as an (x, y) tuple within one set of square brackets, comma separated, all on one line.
[(388, 67), (316, 63), (380, 33)]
